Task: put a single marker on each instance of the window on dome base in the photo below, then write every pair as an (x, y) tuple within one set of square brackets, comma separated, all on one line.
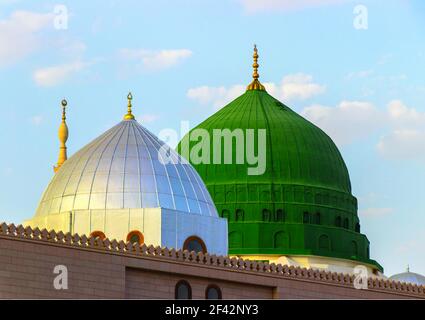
[(212, 292), (346, 223), (266, 215), (317, 218), (135, 237), (280, 216), (98, 234), (281, 240), (196, 244), (338, 221), (357, 229), (239, 215), (235, 239), (324, 242), (183, 290), (306, 217), (225, 214)]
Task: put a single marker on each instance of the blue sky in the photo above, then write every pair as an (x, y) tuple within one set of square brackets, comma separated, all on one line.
[(183, 60)]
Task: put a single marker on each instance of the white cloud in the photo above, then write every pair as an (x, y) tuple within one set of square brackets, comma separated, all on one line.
[(19, 35), (216, 96), (403, 116), (155, 60), (385, 58), (375, 212), (348, 121), (148, 118), (8, 171), (8, 2), (407, 138), (353, 120), (409, 246), (51, 76), (37, 120), (297, 86), (360, 74), (253, 6), (403, 144), (73, 48)]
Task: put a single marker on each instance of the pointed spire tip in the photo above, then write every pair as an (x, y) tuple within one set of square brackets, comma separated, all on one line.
[(255, 84), (129, 115), (63, 137)]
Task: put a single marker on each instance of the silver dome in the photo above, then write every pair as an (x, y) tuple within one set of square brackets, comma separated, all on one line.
[(120, 169), (409, 277)]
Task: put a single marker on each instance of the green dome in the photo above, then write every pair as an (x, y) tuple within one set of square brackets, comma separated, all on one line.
[(297, 152), (301, 204)]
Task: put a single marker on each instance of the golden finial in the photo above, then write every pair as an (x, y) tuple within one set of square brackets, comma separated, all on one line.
[(63, 137), (64, 103), (129, 115), (255, 84)]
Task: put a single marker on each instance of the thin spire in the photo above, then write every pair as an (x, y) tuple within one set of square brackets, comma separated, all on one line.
[(408, 268), (129, 115), (255, 84), (63, 137)]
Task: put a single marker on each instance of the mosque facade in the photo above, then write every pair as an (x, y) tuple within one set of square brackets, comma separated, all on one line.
[(161, 223)]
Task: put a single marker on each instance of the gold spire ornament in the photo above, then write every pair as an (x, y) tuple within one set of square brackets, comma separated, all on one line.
[(63, 137), (255, 84), (129, 115)]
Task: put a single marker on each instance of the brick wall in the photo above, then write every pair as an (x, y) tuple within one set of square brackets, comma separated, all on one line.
[(26, 271), (143, 284), (104, 269)]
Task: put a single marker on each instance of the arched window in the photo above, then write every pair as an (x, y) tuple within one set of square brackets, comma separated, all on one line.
[(235, 239), (324, 243), (281, 240), (338, 221), (98, 234), (239, 215), (212, 292), (357, 229), (306, 217), (225, 214), (195, 243), (317, 218), (346, 223), (183, 290), (280, 216), (135, 236), (266, 215)]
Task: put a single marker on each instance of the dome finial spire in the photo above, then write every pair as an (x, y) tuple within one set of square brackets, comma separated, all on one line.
[(129, 115), (255, 84), (63, 137)]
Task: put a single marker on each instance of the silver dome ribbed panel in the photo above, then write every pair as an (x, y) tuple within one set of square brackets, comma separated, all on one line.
[(409, 277), (121, 169)]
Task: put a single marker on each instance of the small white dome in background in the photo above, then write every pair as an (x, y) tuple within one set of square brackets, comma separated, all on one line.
[(409, 277)]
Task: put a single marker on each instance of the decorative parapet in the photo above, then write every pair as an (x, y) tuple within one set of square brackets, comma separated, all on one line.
[(120, 247)]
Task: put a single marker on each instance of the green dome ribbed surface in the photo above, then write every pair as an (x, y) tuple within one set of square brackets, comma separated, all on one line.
[(298, 152), (302, 203)]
